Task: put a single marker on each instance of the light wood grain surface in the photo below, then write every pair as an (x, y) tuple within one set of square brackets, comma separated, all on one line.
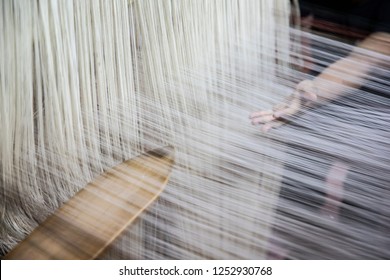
[(85, 225)]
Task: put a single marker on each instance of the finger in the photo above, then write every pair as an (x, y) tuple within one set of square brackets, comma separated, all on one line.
[(279, 107), (263, 119), (260, 114), (289, 110), (271, 125)]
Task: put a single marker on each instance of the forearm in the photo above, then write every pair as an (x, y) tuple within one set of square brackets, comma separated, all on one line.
[(350, 72), (331, 83), (335, 80)]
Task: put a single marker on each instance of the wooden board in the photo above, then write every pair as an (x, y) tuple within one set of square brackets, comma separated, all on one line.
[(85, 225)]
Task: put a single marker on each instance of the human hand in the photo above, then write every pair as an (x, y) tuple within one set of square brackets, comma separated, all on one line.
[(304, 94)]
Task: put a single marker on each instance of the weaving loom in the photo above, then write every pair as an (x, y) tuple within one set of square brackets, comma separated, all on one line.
[(87, 85)]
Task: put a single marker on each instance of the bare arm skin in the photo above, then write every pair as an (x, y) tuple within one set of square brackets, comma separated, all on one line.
[(331, 83)]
